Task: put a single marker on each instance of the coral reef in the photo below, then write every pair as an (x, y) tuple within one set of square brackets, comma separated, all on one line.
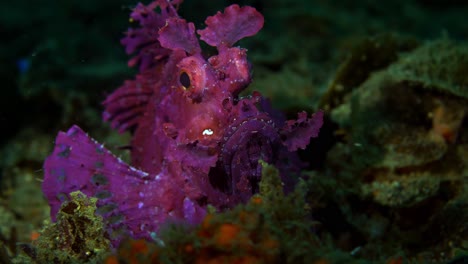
[(430, 111), (404, 146), (365, 57), (76, 237)]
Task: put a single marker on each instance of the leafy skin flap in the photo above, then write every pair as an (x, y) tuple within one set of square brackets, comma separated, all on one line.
[(178, 34), (167, 3), (225, 29), (143, 40), (297, 133)]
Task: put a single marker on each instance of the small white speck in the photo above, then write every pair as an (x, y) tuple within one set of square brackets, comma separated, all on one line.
[(355, 251), (207, 132), (140, 205)]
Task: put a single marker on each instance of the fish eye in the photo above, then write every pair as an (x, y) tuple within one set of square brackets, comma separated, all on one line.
[(184, 79)]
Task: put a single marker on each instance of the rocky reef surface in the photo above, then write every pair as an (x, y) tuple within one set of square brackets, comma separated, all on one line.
[(387, 177)]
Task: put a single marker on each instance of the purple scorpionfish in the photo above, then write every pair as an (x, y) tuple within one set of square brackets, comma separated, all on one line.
[(196, 142)]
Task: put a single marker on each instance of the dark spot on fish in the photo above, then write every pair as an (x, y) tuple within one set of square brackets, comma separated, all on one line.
[(105, 209), (65, 153), (103, 194), (99, 179)]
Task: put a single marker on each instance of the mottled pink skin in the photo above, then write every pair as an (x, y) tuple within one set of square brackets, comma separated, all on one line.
[(192, 145)]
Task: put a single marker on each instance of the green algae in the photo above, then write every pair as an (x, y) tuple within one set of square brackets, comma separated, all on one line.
[(76, 237)]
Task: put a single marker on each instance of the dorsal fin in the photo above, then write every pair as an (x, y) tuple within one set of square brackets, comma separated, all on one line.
[(125, 106)]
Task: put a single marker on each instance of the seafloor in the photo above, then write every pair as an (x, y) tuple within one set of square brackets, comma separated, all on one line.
[(388, 175)]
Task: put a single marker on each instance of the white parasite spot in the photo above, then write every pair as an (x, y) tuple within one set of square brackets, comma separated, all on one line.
[(207, 132), (140, 205)]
